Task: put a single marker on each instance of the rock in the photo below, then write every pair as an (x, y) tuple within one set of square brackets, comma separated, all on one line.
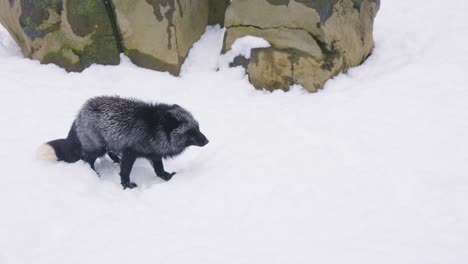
[(217, 10), (155, 34), (70, 33), (312, 40), (270, 68), (158, 34)]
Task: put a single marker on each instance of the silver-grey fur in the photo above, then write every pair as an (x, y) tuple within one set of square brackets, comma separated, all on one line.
[(116, 124), (130, 129)]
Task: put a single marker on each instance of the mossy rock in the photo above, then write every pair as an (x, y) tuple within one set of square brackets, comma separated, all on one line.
[(74, 34), (70, 33), (90, 18), (320, 38)]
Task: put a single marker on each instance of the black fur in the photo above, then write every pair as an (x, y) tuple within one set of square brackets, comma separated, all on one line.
[(68, 149), (127, 129)]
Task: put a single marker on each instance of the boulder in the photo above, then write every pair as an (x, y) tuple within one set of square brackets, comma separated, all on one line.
[(70, 33), (158, 34), (155, 34), (311, 40)]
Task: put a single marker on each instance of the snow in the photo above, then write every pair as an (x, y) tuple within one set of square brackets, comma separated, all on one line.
[(372, 169), (204, 55)]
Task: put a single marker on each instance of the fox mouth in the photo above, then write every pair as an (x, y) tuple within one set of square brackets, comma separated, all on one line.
[(200, 140), (202, 143)]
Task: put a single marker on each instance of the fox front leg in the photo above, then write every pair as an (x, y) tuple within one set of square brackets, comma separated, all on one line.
[(159, 169)]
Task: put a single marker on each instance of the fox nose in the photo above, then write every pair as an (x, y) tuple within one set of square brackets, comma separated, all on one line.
[(203, 140)]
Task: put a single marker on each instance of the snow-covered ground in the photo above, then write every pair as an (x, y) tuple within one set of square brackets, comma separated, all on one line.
[(372, 169)]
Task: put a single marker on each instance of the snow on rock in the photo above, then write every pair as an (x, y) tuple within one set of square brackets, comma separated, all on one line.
[(203, 52), (7, 46), (242, 47)]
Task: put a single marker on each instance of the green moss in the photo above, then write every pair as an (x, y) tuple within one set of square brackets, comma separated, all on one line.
[(84, 16), (59, 58), (34, 13), (90, 17), (82, 7), (100, 52)]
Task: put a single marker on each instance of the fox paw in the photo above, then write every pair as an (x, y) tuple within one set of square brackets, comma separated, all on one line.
[(166, 175), (129, 185)]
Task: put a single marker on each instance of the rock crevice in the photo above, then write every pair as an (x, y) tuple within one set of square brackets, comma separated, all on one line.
[(110, 9)]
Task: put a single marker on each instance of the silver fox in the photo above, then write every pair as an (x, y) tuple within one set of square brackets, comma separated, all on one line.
[(127, 129)]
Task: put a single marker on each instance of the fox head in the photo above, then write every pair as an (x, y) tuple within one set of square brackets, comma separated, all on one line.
[(184, 129)]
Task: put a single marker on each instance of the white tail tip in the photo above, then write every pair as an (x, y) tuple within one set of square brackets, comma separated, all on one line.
[(46, 152)]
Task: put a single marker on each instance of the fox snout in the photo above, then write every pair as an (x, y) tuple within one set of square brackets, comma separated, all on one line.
[(201, 140)]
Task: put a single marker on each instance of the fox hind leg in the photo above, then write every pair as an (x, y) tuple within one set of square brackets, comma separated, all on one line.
[(93, 146), (114, 157), (91, 156)]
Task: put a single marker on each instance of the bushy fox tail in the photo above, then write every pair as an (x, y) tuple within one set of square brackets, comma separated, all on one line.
[(68, 149)]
